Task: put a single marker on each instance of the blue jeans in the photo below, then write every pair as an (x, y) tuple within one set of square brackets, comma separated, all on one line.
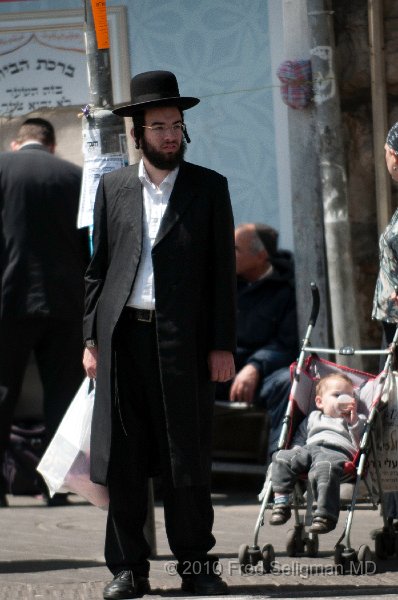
[(273, 395)]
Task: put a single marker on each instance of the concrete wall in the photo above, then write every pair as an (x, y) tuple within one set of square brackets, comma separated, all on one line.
[(220, 52)]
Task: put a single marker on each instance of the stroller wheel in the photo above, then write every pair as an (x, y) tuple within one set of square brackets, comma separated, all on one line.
[(268, 555), (312, 545), (338, 555), (349, 561), (294, 541), (384, 545), (364, 560), (243, 557)]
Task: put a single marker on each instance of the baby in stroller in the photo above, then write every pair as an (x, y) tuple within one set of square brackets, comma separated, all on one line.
[(323, 443)]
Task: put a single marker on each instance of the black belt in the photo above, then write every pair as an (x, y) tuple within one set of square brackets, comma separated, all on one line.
[(141, 314)]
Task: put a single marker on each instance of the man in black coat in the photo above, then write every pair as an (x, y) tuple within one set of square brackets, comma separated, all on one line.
[(160, 331), (43, 257), (266, 324)]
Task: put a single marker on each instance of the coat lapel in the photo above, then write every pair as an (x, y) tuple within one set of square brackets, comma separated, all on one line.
[(131, 196), (181, 197)]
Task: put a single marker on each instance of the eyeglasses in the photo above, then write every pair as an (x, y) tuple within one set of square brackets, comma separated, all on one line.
[(161, 129)]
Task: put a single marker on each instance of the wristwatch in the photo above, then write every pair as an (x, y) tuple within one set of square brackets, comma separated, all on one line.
[(90, 343)]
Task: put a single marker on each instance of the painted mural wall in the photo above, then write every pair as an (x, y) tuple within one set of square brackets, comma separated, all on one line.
[(220, 52)]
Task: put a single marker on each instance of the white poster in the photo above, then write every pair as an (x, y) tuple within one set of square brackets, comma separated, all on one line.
[(387, 437), (43, 69), (43, 61), (93, 168)]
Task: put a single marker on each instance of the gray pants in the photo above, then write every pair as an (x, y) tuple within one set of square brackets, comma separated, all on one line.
[(325, 469)]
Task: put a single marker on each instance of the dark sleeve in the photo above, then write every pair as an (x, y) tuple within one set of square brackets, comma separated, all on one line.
[(96, 271), (223, 271), (2, 249), (281, 350)]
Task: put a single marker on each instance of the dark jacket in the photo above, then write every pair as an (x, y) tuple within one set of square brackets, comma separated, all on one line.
[(43, 256), (194, 272), (267, 321)]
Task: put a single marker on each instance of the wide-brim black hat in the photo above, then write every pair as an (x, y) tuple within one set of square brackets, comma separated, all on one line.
[(154, 88)]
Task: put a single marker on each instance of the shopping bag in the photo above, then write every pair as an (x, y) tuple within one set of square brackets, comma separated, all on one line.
[(65, 465)]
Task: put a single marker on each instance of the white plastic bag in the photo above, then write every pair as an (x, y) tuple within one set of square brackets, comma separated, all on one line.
[(65, 465)]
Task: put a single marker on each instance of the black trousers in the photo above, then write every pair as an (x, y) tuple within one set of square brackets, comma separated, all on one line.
[(140, 449), (57, 347)]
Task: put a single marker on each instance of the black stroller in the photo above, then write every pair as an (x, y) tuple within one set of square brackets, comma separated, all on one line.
[(365, 491)]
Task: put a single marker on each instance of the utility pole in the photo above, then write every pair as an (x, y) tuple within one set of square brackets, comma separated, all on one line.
[(307, 213), (104, 144), (379, 112), (333, 176), (104, 138)]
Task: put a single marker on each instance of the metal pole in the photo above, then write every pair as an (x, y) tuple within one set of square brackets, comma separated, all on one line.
[(98, 64), (107, 126), (333, 177)]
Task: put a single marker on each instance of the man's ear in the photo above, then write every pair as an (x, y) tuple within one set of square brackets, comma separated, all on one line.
[(14, 146)]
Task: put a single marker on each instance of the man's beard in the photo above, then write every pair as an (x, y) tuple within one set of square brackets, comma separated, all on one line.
[(159, 159)]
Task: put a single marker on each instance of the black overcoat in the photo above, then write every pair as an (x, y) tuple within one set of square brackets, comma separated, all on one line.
[(43, 256), (194, 275)]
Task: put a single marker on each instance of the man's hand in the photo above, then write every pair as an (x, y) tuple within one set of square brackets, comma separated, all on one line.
[(90, 362), (221, 365), (244, 385)]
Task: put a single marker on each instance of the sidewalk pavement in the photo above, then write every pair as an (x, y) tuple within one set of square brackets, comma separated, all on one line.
[(57, 553)]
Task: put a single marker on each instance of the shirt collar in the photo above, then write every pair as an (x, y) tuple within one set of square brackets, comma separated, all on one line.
[(169, 180)]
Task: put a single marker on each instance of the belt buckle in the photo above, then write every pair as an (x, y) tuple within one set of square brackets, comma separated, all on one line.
[(141, 315)]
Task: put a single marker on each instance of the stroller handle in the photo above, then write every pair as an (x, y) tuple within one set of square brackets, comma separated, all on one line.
[(315, 304)]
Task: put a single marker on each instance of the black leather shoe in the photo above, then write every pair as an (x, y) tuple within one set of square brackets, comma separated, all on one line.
[(125, 586), (58, 500), (3, 500), (204, 585)]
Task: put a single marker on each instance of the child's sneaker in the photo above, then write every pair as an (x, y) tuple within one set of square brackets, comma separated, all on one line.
[(281, 513), (322, 525)]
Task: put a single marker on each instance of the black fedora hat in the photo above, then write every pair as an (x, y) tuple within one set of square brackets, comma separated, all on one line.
[(154, 88)]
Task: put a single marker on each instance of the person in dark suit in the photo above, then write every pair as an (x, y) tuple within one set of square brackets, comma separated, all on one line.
[(267, 340), (160, 331), (43, 258)]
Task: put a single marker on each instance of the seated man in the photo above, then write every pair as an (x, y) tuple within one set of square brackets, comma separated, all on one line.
[(324, 442), (266, 324)]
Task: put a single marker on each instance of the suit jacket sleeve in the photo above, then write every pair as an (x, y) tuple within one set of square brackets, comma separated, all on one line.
[(96, 272), (223, 301)]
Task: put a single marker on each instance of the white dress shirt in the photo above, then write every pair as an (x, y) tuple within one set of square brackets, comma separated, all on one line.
[(156, 199)]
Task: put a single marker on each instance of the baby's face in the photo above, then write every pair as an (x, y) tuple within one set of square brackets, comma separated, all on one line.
[(329, 402)]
